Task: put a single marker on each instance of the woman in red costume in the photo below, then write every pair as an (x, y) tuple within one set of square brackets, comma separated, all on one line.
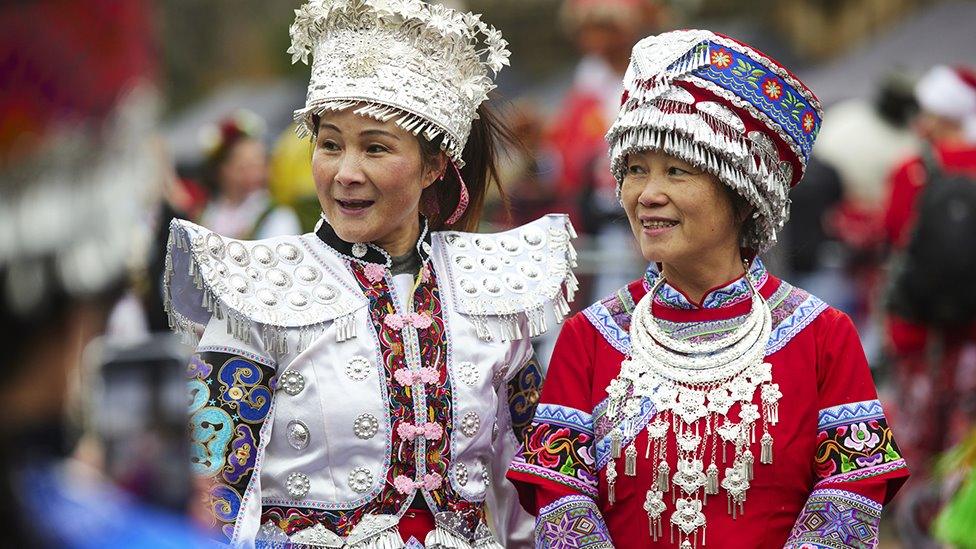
[(708, 404)]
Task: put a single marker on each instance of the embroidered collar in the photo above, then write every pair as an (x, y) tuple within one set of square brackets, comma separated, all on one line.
[(734, 292), (374, 254)]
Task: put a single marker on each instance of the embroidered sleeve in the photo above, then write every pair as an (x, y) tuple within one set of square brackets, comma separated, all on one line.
[(517, 403), (571, 521), (857, 464), (230, 399), (557, 452)]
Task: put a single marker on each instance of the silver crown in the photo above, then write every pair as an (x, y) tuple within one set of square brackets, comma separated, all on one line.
[(424, 66)]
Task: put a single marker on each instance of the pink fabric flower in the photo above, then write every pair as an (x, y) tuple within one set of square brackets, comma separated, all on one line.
[(394, 320), (427, 375), (374, 272), (433, 431), (407, 431), (404, 377), (421, 321), (432, 481), (425, 273), (404, 484)]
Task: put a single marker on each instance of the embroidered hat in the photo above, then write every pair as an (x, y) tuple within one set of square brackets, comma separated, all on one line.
[(424, 66), (722, 106)]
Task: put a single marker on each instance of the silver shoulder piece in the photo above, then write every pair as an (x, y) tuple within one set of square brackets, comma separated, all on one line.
[(508, 279), (272, 284)]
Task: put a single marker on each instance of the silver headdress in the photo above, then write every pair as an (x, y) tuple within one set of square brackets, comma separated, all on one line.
[(424, 66), (726, 108)]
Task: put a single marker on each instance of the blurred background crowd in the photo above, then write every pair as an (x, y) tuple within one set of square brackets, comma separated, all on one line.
[(897, 79)]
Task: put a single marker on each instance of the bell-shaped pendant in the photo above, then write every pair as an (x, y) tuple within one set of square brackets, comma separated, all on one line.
[(748, 462), (630, 461), (663, 475), (711, 480), (766, 450)]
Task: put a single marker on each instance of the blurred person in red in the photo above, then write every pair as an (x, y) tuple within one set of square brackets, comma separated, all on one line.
[(604, 31), (237, 173), (77, 176), (932, 328)]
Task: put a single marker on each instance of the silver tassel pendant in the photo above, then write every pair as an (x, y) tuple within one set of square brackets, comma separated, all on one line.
[(654, 507), (747, 464), (766, 451), (663, 475), (615, 444), (611, 481), (630, 461), (711, 480)]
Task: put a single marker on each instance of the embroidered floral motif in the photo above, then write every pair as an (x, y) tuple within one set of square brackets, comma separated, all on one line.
[(836, 518), (228, 405), (742, 76), (721, 58), (572, 522), (855, 438), (772, 89), (558, 446), (523, 396), (809, 122)]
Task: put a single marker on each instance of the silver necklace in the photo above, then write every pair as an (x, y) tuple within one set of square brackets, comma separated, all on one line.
[(694, 386)]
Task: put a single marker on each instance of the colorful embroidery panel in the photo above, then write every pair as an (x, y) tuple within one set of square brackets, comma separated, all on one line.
[(836, 519), (792, 310), (766, 90), (572, 522), (230, 399), (559, 446), (523, 397), (855, 442)]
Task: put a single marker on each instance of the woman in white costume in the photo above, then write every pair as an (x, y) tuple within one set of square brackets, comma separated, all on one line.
[(364, 386)]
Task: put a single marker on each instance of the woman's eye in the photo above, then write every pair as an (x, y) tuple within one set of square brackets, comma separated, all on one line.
[(635, 169), (375, 149), (676, 171), (329, 145)]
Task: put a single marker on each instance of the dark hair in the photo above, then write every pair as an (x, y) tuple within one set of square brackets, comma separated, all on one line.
[(741, 209), (230, 137), (489, 135)]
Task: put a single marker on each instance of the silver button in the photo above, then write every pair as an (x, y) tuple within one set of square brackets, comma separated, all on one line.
[(360, 479), (307, 274), (238, 283), (292, 382), (262, 254), (298, 300), (470, 424), (289, 253), (297, 485), (267, 297), (215, 245), (461, 473), (278, 278), (366, 426), (238, 253), (358, 368), (468, 372), (326, 294), (298, 434)]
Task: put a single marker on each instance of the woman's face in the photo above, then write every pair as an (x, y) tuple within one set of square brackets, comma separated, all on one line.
[(369, 176), (678, 213), (245, 169)]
